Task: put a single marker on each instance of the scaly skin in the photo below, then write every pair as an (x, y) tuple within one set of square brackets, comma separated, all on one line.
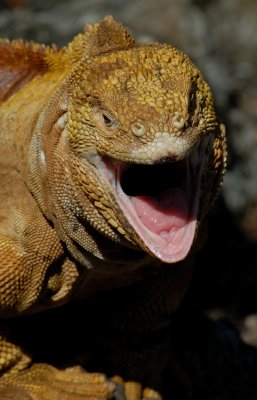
[(73, 121)]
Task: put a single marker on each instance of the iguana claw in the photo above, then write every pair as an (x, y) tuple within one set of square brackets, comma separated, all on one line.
[(131, 390)]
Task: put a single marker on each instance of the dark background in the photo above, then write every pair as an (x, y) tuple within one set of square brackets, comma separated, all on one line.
[(221, 38)]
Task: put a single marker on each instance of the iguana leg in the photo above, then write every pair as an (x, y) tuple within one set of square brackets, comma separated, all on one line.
[(20, 381), (44, 382)]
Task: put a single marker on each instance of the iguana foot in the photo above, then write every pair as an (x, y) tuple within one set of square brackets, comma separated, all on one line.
[(44, 382), (133, 391)]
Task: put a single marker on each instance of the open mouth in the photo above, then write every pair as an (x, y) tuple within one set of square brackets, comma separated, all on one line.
[(159, 201)]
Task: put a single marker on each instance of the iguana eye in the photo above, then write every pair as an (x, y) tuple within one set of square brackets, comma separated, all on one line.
[(108, 120)]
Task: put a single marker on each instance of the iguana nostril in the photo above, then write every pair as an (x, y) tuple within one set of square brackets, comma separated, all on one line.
[(138, 129)]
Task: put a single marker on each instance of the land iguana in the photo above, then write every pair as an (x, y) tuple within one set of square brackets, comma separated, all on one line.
[(111, 155)]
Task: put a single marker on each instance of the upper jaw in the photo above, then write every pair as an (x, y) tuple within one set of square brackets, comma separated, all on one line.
[(166, 146), (160, 202)]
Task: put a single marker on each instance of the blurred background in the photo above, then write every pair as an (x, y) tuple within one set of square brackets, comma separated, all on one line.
[(220, 37)]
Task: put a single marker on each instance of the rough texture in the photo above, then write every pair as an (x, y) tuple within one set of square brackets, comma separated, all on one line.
[(79, 125), (226, 57)]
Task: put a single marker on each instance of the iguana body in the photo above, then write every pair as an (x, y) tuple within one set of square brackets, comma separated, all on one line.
[(111, 154)]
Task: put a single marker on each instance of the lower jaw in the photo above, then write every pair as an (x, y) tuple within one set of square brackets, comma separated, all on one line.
[(168, 246)]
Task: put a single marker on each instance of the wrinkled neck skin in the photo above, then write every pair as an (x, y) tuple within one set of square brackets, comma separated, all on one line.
[(67, 209)]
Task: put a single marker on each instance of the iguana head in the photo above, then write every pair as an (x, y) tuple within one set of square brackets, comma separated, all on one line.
[(147, 149)]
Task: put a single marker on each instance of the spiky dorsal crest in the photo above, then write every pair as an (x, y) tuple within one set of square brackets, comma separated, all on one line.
[(101, 38), (19, 63)]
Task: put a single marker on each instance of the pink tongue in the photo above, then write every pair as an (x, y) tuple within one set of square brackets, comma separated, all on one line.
[(162, 214)]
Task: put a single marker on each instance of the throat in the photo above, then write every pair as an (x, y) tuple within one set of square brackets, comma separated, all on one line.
[(152, 180)]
